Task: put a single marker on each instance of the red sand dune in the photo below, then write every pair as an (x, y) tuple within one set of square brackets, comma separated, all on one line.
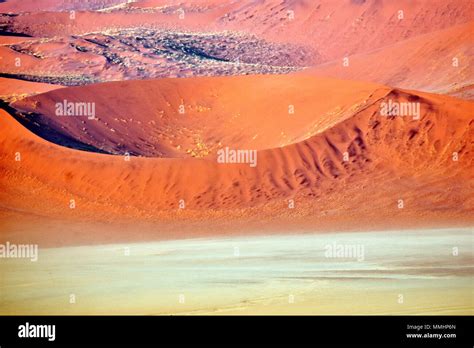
[(339, 28), (424, 62), (390, 158), (217, 113)]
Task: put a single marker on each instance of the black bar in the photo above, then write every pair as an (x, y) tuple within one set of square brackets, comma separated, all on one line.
[(241, 330)]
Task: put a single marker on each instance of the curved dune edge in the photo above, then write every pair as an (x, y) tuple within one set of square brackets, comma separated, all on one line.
[(194, 117), (12, 90), (391, 158)]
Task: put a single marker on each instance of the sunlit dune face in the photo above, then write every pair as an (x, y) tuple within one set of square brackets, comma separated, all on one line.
[(197, 117)]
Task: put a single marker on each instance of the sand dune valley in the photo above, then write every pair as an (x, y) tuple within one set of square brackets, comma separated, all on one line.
[(237, 157)]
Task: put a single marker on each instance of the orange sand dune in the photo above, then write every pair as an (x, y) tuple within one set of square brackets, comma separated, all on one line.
[(11, 89), (339, 28), (437, 62), (216, 112), (392, 160), (9, 40)]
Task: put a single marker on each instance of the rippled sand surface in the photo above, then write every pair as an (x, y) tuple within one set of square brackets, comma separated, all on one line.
[(396, 272)]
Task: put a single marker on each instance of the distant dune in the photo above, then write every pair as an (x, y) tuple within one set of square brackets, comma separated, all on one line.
[(98, 43), (344, 27), (439, 62), (300, 158)]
